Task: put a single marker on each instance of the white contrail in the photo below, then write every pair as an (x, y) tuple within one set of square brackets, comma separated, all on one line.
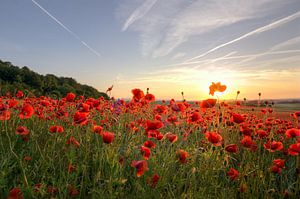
[(256, 31), (139, 13), (67, 29)]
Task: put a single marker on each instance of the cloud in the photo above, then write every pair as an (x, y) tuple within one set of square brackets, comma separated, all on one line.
[(287, 44), (262, 29), (139, 13), (171, 23), (66, 28)]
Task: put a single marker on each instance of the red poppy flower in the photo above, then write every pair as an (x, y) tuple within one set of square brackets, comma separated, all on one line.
[(73, 141), (233, 174), (71, 168), (153, 125), (108, 137), (80, 118), (19, 94), (153, 181), (27, 158), (279, 163), (26, 112), (273, 146), (70, 97), (208, 103), (4, 115), (292, 133), (73, 192), (171, 137), (182, 155), (294, 149), (246, 131), (141, 166), (138, 94), (275, 169), (149, 144), (262, 133), (214, 138), (12, 103), (22, 130), (97, 129), (56, 129), (146, 152), (231, 148), (237, 118), (52, 190), (216, 87), (247, 142), (149, 97), (195, 117), (297, 114), (15, 193), (109, 89)]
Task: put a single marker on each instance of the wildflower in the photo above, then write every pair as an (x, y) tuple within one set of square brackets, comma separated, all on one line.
[(26, 112), (71, 168), (153, 181), (273, 146), (233, 174), (149, 97), (292, 133), (247, 142), (214, 138), (195, 117), (80, 118), (231, 148), (237, 118), (149, 144), (70, 97), (141, 166), (153, 125), (208, 103), (171, 137), (19, 94), (56, 129), (4, 115), (97, 129), (182, 155), (216, 87), (138, 94), (108, 137), (15, 193), (294, 149), (146, 152), (109, 89), (22, 130), (73, 192), (73, 141), (279, 163)]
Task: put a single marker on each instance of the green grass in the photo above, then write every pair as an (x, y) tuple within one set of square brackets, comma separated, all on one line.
[(99, 174)]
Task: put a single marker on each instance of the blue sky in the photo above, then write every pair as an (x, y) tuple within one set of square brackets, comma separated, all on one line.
[(168, 46)]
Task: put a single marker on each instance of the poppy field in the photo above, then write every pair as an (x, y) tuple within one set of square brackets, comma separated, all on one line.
[(79, 147)]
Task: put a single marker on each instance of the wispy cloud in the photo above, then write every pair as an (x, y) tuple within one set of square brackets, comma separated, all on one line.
[(66, 28), (262, 29), (139, 13), (174, 22)]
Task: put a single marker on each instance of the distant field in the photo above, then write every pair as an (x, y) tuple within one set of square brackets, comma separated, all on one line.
[(287, 107)]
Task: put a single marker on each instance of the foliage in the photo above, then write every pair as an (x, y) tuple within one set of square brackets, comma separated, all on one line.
[(13, 78)]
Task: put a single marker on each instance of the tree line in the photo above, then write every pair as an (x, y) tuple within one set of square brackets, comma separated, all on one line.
[(14, 78)]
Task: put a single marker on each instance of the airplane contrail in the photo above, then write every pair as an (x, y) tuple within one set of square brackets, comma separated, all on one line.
[(67, 29), (256, 31)]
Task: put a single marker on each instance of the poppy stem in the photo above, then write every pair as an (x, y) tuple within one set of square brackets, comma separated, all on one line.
[(16, 156)]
